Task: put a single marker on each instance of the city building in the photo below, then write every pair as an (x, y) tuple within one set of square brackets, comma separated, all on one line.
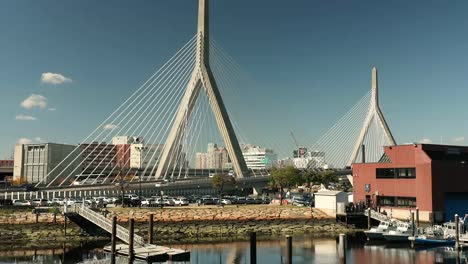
[(97, 157), (425, 176), (144, 156), (215, 158), (123, 148), (201, 160), (258, 158), (6, 170), (33, 162), (282, 163)]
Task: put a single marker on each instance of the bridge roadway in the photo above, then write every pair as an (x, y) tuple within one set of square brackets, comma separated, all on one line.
[(144, 188)]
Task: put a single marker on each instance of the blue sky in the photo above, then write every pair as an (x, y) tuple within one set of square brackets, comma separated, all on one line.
[(312, 59)]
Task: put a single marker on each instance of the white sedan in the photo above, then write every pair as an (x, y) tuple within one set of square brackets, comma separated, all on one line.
[(181, 201), (21, 203)]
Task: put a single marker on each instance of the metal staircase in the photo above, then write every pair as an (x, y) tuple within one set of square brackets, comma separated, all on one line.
[(104, 223), (381, 217)]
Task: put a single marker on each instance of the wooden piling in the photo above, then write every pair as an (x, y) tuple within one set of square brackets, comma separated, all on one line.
[(253, 248), (64, 225), (417, 217), (288, 249), (131, 253), (412, 225), (150, 229), (113, 238), (368, 218), (457, 232), (342, 248)]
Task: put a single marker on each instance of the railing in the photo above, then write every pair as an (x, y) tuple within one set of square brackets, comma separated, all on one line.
[(106, 224), (380, 217)]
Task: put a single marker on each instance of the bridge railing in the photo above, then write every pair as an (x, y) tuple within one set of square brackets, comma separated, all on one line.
[(106, 224)]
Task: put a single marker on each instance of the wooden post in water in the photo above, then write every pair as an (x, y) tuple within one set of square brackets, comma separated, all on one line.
[(457, 232), (253, 248), (417, 217), (288, 249), (113, 238), (412, 224), (131, 255), (37, 216), (65, 225), (150, 229), (368, 218), (55, 216), (342, 248)]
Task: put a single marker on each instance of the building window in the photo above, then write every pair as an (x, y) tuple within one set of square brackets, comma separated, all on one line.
[(395, 173), (396, 201)]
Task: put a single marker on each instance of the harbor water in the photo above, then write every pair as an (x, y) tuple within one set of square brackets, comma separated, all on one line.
[(306, 249)]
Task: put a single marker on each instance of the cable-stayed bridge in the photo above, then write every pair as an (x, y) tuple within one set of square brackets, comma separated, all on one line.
[(171, 119)]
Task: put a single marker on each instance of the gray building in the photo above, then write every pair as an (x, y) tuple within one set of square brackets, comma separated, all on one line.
[(33, 162)]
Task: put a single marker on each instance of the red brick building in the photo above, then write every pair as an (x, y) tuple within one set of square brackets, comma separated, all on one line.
[(433, 178)]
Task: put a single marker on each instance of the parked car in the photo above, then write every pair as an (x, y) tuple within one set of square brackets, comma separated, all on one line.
[(240, 200), (206, 201), (193, 198), (225, 201), (147, 202), (40, 202), (300, 201), (169, 202), (57, 201), (181, 201), (21, 203), (250, 200)]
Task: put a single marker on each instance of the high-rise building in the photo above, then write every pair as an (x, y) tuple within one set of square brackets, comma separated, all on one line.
[(98, 156), (201, 160), (33, 162), (123, 148), (215, 158), (144, 156), (258, 158)]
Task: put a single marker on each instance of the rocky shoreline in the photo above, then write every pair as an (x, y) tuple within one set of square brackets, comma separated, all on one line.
[(178, 224)]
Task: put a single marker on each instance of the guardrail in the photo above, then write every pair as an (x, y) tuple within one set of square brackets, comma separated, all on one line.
[(380, 217), (106, 224)]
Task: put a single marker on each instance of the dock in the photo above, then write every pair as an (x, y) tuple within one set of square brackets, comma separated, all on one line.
[(152, 253), (141, 251)]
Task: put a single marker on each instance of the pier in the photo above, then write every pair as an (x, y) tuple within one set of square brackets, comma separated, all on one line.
[(141, 250)]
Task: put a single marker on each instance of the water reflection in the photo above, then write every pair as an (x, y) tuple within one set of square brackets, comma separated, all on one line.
[(305, 250)]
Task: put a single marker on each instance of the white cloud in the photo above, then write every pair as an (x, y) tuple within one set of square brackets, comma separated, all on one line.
[(52, 109), (25, 117), (425, 141), (24, 141), (458, 139), (34, 100), (54, 78), (110, 127), (38, 139)]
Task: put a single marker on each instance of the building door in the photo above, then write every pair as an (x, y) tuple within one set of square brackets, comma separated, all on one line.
[(368, 200)]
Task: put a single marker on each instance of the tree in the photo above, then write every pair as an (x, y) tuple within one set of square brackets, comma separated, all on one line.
[(284, 178), (122, 184), (324, 177), (219, 182)]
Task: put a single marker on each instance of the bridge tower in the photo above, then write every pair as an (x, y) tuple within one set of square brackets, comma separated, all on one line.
[(202, 76), (373, 113)]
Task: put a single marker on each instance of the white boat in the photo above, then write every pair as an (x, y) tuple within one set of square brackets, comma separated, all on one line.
[(378, 232), (401, 234)]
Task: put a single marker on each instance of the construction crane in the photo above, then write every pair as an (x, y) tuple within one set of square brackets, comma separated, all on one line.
[(295, 141)]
